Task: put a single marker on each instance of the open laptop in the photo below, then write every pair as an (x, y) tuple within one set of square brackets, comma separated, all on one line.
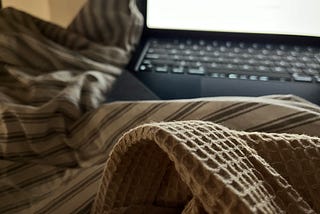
[(206, 48)]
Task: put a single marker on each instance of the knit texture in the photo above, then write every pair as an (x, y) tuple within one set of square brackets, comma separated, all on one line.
[(202, 167)]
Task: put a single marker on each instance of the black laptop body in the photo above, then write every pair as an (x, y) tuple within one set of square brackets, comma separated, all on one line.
[(190, 63)]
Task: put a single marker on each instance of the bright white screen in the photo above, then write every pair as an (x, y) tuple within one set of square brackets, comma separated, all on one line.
[(288, 17)]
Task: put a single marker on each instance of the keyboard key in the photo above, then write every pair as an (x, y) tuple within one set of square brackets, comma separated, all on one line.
[(152, 56), (146, 62), (218, 75), (253, 77), (178, 70), (280, 69), (202, 53), (163, 69), (297, 48), (275, 76), (260, 57), (311, 49), (215, 66), (196, 71), (284, 47), (306, 59), (317, 78), (270, 47), (176, 57), (173, 51), (216, 54), (279, 78), (264, 78), (294, 53), (233, 76), (183, 63), (231, 67), (228, 44), (182, 47), (282, 63), (293, 70), (314, 66), (143, 68), (162, 62), (246, 67), (243, 77), (209, 48), (237, 61), (231, 55), (202, 42), (206, 59), (243, 45), (280, 53), (245, 56), (267, 63), (253, 62), (266, 52), (263, 68), (301, 77), (195, 47), (291, 58), (256, 46), (222, 60), (298, 65), (150, 50), (311, 71), (237, 50), (215, 44)]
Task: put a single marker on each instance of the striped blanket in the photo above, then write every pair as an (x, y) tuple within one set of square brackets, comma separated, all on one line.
[(56, 130)]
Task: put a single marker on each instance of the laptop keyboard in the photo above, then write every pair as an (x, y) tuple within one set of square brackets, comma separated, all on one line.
[(233, 60)]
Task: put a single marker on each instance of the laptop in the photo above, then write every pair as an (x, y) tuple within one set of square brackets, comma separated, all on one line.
[(209, 48)]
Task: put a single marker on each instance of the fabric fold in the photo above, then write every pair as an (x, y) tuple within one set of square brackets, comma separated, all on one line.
[(218, 170)]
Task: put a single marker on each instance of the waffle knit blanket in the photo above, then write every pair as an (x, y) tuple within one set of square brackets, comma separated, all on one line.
[(202, 167), (56, 132)]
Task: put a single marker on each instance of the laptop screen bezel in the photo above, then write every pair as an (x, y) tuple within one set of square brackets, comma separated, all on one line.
[(254, 37)]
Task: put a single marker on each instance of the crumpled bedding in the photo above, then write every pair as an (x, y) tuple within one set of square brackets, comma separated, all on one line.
[(56, 133)]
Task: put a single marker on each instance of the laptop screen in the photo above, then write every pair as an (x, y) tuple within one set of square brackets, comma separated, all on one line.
[(284, 17)]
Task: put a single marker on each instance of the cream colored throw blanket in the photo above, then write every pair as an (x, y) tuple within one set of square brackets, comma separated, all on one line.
[(57, 133), (201, 167)]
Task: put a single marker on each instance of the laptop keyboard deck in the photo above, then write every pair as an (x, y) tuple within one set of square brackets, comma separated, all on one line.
[(233, 60)]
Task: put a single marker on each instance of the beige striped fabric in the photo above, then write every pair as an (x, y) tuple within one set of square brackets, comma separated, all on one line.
[(55, 132)]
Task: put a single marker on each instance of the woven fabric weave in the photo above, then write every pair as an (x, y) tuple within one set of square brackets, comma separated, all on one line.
[(196, 166)]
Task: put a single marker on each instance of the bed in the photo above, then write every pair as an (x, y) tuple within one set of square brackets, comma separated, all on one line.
[(63, 149)]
